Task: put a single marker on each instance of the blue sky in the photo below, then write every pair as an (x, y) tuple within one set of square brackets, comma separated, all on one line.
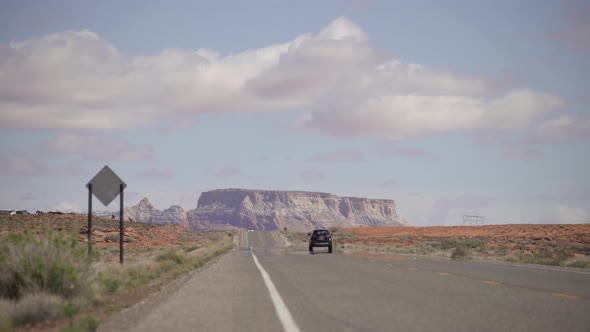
[(449, 108)]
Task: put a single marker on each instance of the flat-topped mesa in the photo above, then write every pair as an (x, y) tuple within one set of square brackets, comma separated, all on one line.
[(296, 210)]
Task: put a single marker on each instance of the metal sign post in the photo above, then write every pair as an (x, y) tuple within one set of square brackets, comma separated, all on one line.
[(105, 186), (89, 219), (121, 228)]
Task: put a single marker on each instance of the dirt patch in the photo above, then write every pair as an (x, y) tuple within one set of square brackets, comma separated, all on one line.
[(491, 234), (568, 233)]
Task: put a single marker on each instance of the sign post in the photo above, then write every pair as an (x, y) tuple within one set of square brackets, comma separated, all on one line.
[(89, 219), (105, 186), (121, 228)]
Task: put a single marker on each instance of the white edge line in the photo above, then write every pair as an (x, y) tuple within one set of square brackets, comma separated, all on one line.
[(285, 317)]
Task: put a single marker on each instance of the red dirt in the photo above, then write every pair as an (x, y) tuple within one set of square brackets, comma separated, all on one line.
[(137, 235), (571, 233)]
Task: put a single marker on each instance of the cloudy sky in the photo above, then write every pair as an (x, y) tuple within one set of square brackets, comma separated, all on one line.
[(454, 108)]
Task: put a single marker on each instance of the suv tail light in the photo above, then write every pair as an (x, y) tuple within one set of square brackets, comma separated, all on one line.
[(328, 236)]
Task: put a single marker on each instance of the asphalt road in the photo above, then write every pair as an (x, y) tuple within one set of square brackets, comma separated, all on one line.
[(337, 292)]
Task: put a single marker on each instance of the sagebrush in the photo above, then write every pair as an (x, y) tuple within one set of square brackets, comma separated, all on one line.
[(46, 262)]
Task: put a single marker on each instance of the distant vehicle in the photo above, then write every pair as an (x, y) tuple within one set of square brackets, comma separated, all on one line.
[(250, 230), (320, 238)]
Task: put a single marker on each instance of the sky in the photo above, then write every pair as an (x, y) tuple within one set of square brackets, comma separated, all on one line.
[(450, 108)]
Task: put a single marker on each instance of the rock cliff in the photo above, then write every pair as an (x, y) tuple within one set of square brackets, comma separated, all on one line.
[(296, 210), (271, 210), (145, 212)]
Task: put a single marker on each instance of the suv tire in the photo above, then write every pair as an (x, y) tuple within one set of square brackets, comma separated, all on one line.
[(330, 249), (310, 248)]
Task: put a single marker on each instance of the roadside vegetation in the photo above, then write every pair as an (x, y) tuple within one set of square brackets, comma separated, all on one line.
[(544, 251), (47, 280)]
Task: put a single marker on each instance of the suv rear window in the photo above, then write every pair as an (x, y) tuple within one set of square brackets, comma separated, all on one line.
[(322, 232)]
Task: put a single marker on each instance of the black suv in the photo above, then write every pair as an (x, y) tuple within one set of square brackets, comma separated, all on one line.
[(320, 238)]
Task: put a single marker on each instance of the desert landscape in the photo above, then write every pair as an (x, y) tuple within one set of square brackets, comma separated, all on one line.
[(158, 254), (565, 245), (154, 256)]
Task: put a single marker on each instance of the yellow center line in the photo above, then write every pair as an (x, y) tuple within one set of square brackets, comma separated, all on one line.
[(567, 296), (444, 274), (490, 282)]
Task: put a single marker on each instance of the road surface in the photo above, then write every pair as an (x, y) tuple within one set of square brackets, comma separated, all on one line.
[(263, 286)]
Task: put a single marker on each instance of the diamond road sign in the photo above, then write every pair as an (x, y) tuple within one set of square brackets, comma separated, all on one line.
[(106, 185)]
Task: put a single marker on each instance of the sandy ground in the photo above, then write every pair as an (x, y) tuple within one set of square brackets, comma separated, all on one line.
[(578, 233)]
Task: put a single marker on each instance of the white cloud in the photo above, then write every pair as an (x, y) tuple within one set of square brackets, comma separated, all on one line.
[(395, 116), (565, 128), (78, 80)]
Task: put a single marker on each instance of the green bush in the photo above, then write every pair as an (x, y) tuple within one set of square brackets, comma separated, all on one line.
[(83, 325), (109, 284), (42, 263), (70, 309), (452, 243), (460, 252), (173, 256)]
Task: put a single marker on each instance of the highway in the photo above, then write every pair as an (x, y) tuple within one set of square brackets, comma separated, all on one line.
[(263, 286)]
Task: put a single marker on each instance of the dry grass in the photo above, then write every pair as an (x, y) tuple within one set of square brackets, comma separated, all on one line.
[(6, 315), (36, 307), (41, 263), (532, 250)]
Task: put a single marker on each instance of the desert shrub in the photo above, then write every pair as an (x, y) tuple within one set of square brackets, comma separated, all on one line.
[(449, 243), (511, 259), (6, 315), (70, 309), (460, 252), (91, 323), (452, 243), (42, 263), (36, 307), (584, 250), (109, 283), (112, 237), (191, 248), (173, 256), (583, 263), (501, 250), (138, 275), (83, 325)]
